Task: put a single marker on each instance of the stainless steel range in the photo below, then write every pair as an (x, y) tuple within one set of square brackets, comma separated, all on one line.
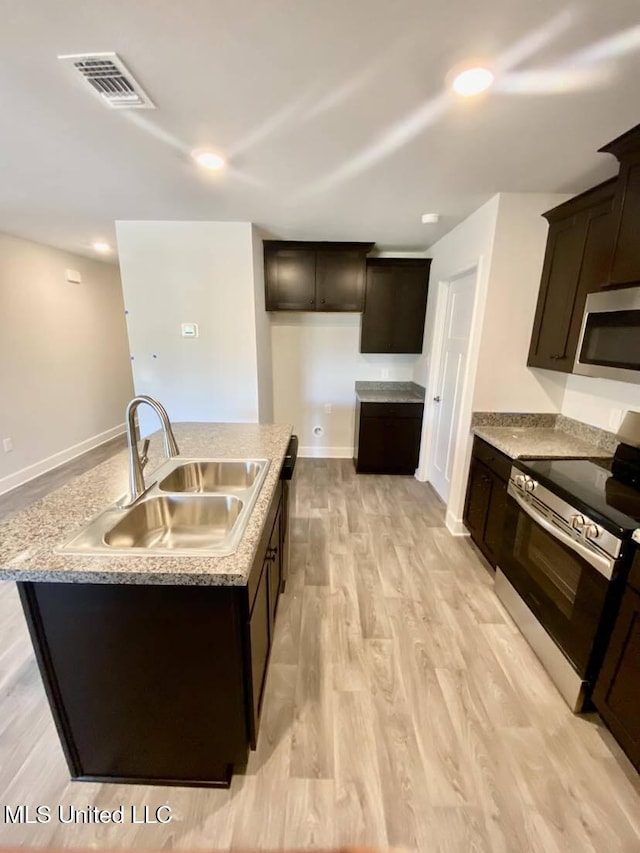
[(567, 547)]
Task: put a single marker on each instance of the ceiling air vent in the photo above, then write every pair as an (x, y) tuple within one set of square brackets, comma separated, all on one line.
[(109, 77)]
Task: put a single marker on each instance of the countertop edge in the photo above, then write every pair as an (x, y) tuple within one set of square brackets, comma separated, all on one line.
[(36, 570), (584, 450)]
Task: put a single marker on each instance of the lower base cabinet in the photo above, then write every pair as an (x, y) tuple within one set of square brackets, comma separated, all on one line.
[(387, 437), (158, 684), (486, 499), (617, 691)]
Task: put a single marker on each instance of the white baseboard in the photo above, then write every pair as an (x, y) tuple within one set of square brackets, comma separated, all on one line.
[(24, 475), (455, 526), (326, 452)]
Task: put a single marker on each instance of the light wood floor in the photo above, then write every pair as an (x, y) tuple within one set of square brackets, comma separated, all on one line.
[(402, 709)]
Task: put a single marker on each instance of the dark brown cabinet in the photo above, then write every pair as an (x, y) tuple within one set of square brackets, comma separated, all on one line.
[(310, 276), (387, 437), (625, 265), (577, 262), (158, 684), (395, 305), (486, 499), (617, 691)]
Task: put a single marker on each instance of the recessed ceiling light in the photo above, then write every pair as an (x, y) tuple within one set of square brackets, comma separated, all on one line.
[(101, 246), (472, 81), (208, 159), (430, 218)]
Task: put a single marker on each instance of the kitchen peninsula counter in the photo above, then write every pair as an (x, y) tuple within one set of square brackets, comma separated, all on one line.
[(154, 666), (29, 539)]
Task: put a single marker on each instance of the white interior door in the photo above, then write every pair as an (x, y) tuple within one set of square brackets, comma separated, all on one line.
[(460, 295)]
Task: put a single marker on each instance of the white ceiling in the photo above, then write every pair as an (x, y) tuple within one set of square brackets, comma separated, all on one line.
[(333, 114)]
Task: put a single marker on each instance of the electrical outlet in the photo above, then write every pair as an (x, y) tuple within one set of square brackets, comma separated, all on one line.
[(328, 408), (7, 444)]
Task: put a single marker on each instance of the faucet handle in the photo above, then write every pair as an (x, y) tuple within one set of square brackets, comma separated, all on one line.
[(144, 458)]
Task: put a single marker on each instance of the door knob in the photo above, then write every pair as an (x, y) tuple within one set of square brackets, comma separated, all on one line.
[(436, 399)]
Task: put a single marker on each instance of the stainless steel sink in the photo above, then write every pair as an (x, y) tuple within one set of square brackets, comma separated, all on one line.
[(215, 475), (193, 507), (176, 523)]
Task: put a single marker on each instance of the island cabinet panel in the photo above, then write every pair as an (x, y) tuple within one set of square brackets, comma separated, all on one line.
[(576, 263), (617, 691), (314, 276), (395, 305), (259, 643), (158, 684), (486, 498), (263, 592), (625, 264), (145, 681)]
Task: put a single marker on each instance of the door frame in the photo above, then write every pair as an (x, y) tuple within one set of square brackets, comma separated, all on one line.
[(462, 449)]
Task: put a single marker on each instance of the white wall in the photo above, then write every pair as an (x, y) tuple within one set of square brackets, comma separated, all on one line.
[(316, 361), (504, 383), (65, 377), (599, 402), (263, 331), (505, 241), (205, 273), (469, 246)]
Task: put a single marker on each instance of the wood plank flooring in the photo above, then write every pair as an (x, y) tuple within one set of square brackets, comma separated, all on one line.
[(402, 709)]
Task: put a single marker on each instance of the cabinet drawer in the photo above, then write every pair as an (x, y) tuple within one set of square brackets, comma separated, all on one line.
[(391, 410), (494, 459)]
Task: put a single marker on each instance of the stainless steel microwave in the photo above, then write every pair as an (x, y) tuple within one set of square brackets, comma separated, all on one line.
[(609, 343)]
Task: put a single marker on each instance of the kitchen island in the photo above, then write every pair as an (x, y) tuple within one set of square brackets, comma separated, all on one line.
[(154, 665)]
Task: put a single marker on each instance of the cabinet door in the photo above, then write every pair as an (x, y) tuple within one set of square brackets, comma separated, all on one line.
[(388, 445), (494, 524), (550, 347), (617, 690), (274, 561), (290, 279), (339, 280), (626, 256), (395, 306), (477, 500), (376, 334), (259, 639)]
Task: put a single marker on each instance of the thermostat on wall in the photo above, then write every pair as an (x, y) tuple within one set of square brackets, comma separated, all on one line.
[(189, 330)]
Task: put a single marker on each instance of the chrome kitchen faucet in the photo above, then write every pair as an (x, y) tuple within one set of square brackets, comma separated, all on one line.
[(136, 463)]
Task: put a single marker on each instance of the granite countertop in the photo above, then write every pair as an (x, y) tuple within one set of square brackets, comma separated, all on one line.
[(389, 392), (531, 436), (28, 539)]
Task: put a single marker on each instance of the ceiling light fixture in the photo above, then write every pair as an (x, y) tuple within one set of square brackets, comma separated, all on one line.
[(472, 81), (101, 246), (430, 218), (208, 159)]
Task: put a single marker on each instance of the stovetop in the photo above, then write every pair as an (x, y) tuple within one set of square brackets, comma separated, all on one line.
[(591, 489)]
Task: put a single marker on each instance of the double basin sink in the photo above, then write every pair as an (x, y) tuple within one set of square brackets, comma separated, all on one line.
[(196, 507)]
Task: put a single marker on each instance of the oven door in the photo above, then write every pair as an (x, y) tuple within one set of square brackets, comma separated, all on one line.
[(552, 574), (609, 344)]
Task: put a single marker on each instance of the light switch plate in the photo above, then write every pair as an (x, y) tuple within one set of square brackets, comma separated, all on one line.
[(189, 330)]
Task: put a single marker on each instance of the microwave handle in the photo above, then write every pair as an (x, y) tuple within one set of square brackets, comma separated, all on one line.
[(602, 564)]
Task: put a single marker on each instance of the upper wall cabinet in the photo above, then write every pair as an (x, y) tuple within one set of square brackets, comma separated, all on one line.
[(395, 305), (625, 266), (577, 262), (309, 276)]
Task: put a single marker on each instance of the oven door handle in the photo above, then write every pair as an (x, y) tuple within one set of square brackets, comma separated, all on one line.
[(602, 564)]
